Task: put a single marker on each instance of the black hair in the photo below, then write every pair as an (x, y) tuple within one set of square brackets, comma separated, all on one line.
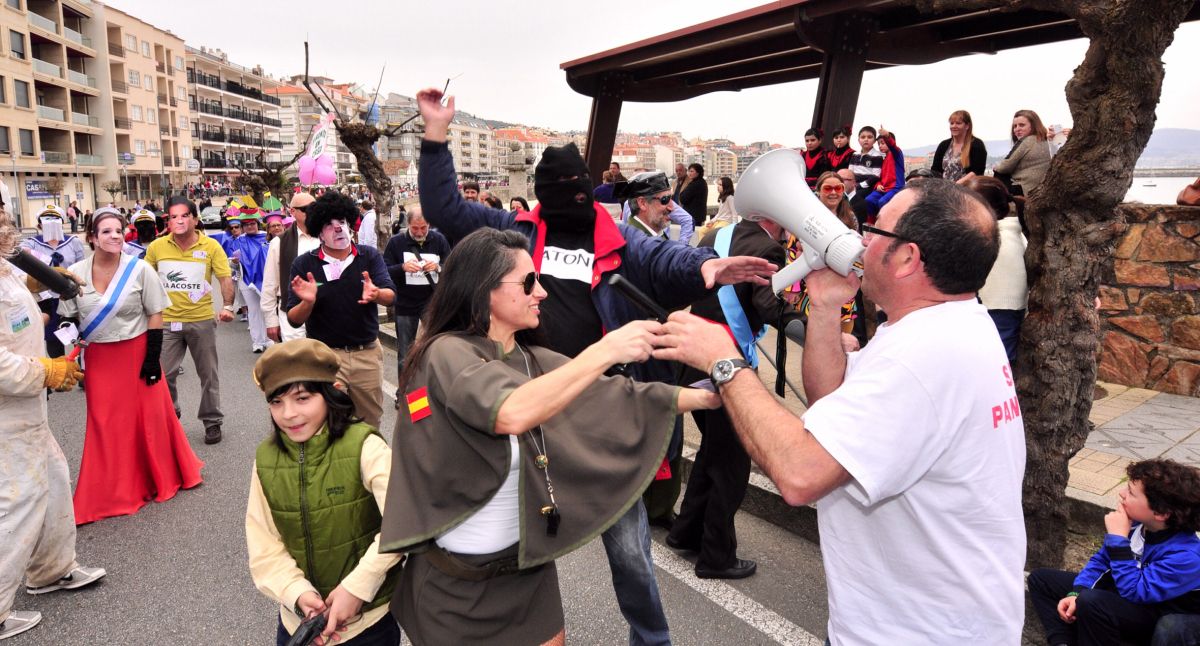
[(958, 249), (815, 132), (699, 170), (176, 200), (1171, 488), (331, 206), (147, 230), (724, 188), (494, 202), (462, 302), (523, 201), (471, 186), (869, 129), (340, 413), (843, 131)]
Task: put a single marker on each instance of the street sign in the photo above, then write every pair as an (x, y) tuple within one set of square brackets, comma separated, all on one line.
[(193, 165)]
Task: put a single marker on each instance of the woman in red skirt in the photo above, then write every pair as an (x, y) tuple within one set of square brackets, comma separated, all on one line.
[(135, 450)]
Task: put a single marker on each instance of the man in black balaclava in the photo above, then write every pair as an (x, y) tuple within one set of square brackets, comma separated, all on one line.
[(575, 247)]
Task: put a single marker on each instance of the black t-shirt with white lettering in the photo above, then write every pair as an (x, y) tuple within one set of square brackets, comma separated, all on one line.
[(569, 316)]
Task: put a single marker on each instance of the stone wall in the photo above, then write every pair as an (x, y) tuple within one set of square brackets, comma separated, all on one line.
[(1150, 303)]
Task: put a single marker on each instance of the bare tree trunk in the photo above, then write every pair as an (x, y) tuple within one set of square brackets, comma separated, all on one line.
[(1073, 224), (359, 138)]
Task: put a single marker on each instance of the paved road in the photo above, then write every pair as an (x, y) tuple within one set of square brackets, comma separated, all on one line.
[(178, 575)]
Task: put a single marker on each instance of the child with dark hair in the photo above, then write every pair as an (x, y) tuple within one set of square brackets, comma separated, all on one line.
[(1148, 567), (839, 157), (316, 504), (891, 175), (816, 158)]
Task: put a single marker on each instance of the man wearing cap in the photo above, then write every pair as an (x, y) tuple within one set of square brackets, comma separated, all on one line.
[(280, 253), (57, 249), (576, 247), (335, 291), (145, 229), (675, 214), (647, 208), (186, 261)]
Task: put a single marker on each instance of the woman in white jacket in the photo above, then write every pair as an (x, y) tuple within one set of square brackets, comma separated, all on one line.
[(1006, 290)]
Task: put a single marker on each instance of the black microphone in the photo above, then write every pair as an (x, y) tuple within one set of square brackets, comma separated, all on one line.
[(54, 281), (638, 297)]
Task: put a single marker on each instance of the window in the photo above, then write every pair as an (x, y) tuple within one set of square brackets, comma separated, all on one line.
[(135, 79), (26, 137), (181, 93), (183, 123), (139, 147), (135, 112), (21, 90), (3, 91), (149, 82), (16, 44), (146, 48), (185, 152), (4, 139), (131, 42), (179, 63), (15, 4), (151, 117)]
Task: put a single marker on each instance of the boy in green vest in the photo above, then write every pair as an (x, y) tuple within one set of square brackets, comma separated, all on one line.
[(316, 501)]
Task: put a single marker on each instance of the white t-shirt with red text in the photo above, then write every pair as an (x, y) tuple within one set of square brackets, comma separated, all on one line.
[(926, 543)]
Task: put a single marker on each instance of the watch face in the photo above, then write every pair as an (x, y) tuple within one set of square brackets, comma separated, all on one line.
[(722, 371)]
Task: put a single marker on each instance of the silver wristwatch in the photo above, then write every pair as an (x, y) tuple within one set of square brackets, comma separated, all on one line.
[(724, 370)]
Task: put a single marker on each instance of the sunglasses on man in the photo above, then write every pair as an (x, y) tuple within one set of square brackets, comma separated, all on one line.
[(526, 283)]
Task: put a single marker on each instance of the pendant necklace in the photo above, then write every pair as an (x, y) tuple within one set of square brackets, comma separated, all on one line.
[(550, 512)]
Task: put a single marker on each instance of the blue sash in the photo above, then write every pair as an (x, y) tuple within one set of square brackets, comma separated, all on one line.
[(112, 300), (735, 316)]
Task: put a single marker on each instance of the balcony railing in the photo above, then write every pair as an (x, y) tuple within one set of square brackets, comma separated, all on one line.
[(55, 157), (120, 86), (89, 160), (43, 67), (77, 37), (164, 131), (200, 78), (47, 112), (42, 22), (122, 123), (81, 78), (174, 132), (115, 49), (162, 99), (212, 136), (85, 120), (162, 69), (214, 162), (168, 160)]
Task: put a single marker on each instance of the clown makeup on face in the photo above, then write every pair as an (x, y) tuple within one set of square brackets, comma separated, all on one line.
[(336, 235)]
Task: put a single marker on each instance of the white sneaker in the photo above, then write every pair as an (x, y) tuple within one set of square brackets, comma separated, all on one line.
[(18, 622), (257, 349), (76, 578)]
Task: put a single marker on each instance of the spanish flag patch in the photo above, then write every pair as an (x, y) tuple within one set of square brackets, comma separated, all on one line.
[(418, 404)]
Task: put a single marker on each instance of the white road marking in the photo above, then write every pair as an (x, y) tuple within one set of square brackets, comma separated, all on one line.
[(765, 620)]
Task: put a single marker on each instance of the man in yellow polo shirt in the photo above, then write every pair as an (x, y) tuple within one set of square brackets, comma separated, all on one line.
[(186, 261)]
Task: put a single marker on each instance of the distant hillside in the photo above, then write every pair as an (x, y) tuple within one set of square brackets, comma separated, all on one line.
[(1168, 147)]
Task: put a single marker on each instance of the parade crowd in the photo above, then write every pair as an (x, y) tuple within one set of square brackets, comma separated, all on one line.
[(540, 405)]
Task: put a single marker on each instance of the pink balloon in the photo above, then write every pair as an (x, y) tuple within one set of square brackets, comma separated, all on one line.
[(318, 171)]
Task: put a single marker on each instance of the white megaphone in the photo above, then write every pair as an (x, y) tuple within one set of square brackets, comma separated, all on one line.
[(773, 187)]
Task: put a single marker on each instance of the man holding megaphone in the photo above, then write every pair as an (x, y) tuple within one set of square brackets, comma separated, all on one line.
[(914, 446)]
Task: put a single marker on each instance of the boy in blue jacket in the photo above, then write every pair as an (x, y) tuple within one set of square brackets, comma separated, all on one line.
[(1148, 567)]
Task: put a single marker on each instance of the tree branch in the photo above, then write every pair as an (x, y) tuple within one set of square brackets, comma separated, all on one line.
[(308, 86)]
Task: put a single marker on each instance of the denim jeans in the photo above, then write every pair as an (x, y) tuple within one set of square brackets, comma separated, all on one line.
[(627, 544), (406, 332)]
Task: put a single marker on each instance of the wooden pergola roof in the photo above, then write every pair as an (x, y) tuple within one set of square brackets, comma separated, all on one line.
[(795, 40)]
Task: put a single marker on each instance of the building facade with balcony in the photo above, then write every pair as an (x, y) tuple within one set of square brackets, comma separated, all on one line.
[(235, 115), (146, 83), (51, 105)]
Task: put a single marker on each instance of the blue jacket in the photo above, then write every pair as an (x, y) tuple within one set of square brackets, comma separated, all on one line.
[(669, 272), (1167, 570)]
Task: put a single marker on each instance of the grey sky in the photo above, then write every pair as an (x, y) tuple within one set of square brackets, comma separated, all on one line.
[(508, 53)]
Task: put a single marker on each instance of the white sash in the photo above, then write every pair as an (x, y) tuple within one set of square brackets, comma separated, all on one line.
[(103, 313)]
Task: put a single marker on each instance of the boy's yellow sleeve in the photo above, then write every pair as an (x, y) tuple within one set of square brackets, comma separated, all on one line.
[(273, 570)]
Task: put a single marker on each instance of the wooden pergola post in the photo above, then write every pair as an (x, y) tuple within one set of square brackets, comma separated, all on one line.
[(844, 40), (602, 125)]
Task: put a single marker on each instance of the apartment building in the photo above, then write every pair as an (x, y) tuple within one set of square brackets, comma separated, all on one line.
[(533, 143), (234, 114), (51, 105), (151, 141), (720, 162)]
